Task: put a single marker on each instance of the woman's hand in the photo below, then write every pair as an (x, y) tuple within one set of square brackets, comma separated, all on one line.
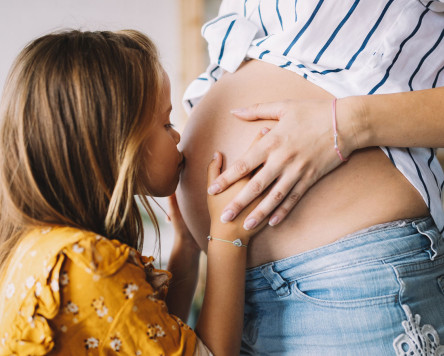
[(295, 154), (216, 203)]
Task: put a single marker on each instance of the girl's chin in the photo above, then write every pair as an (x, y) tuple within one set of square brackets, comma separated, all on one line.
[(167, 190)]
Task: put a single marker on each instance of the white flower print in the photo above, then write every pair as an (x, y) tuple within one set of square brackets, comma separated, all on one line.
[(55, 285), (10, 290), (138, 353), (45, 231), (91, 343), (30, 282), (154, 331), (63, 328), (38, 289), (78, 249), (64, 280), (115, 343), (31, 321), (110, 319), (100, 307), (129, 290), (71, 308), (160, 332)]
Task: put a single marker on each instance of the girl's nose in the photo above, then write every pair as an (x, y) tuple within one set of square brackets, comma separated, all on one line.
[(176, 136)]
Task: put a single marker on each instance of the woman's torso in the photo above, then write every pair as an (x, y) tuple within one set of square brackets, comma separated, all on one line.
[(367, 190)]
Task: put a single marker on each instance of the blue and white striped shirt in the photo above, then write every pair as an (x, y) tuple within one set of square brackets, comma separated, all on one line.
[(348, 47)]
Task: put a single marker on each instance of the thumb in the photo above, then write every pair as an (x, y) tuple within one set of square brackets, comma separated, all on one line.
[(214, 167), (264, 111)]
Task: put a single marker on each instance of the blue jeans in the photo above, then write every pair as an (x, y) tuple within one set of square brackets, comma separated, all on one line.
[(370, 293)]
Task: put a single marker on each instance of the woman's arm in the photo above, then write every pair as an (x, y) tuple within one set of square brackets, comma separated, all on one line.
[(411, 119), (297, 153)]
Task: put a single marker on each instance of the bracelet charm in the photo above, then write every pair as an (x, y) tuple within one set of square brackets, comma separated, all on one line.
[(237, 242)]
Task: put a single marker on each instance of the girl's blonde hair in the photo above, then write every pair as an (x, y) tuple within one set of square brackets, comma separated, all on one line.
[(70, 135)]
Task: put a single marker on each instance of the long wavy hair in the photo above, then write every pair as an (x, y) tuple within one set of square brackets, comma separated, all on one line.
[(71, 128)]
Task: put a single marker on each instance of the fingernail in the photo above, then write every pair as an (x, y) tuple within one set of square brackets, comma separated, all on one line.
[(213, 189), (238, 111), (214, 155), (273, 221), (250, 224), (265, 130), (227, 216)]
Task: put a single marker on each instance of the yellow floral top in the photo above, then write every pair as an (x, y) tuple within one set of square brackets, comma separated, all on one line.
[(72, 292)]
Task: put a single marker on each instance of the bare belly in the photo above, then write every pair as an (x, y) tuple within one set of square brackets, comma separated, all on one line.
[(368, 190)]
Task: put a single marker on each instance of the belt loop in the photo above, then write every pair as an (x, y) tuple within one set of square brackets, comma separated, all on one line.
[(428, 228), (279, 285)]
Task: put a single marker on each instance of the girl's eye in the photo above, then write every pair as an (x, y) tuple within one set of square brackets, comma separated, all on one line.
[(169, 126)]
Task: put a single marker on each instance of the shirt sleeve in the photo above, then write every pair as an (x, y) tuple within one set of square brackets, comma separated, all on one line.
[(110, 307)]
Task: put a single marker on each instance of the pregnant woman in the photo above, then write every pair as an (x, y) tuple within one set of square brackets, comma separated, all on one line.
[(357, 266)]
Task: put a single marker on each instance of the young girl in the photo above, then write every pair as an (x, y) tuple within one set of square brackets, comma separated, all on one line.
[(84, 128)]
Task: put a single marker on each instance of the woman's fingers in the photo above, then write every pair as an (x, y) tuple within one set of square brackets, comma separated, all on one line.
[(289, 202), (282, 192), (268, 111), (255, 187), (278, 202), (253, 158)]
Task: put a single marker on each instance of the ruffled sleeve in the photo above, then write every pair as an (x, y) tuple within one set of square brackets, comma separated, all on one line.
[(123, 310), (31, 296)]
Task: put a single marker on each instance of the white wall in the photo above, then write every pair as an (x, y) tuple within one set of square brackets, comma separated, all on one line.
[(23, 20)]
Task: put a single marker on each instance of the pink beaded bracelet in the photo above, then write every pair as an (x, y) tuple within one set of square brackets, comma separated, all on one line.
[(335, 132)]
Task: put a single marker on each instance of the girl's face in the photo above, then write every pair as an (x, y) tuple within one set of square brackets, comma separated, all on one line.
[(163, 162)]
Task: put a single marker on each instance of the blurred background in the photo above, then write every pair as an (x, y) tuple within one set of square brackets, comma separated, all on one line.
[(174, 25)]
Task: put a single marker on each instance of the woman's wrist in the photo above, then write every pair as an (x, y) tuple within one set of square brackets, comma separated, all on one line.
[(352, 115)]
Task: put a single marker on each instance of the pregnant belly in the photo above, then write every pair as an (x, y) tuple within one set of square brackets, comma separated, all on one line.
[(365, 191)]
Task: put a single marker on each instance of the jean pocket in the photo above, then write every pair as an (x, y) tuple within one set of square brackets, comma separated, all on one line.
[(352, 286)]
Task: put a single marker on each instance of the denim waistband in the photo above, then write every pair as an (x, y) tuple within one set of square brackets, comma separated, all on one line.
[(383, 241)]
